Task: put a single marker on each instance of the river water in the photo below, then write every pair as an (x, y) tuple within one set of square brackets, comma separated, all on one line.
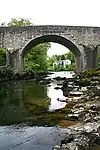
[(27, 114)]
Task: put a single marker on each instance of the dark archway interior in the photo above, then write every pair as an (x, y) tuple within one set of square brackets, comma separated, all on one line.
[(52, 38)]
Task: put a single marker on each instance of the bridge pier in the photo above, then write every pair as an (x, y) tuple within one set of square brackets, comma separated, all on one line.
[(15, 61), (90, 56), (98, 56), (79, 62), (18, 64), (8, 59)]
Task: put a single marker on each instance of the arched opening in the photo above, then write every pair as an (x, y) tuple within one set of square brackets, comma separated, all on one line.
[(52, 38), (56, 39)]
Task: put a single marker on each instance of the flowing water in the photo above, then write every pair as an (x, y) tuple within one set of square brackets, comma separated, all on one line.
[(27, 114)]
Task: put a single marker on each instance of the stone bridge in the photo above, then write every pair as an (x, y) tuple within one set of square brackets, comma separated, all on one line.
[(82, 41)]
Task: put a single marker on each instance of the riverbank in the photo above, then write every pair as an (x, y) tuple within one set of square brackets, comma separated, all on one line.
[(83, 91), (7, 74)]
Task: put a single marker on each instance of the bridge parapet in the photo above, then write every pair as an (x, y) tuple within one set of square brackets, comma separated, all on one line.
[(16, 36)]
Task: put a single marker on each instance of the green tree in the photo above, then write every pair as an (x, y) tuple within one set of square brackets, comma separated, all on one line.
[(2, 57), (70, 56), (51, 60), (63, 57), (58, 57), (36, 59), (20, 22)]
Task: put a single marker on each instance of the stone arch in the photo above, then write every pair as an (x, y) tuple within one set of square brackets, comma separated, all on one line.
[(51, 38)]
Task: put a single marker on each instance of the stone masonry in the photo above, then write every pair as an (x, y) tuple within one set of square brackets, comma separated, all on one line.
[(83, 41)]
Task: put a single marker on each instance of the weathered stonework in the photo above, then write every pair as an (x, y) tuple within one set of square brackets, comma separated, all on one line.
[(82, 41)]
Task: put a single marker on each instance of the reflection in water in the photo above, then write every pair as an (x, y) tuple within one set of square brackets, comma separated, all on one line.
[(26, 101), (23, 101), (15, 99), (54, 94), (26, 109)]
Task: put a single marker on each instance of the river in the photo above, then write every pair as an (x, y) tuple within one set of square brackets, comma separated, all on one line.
[(27, 114)]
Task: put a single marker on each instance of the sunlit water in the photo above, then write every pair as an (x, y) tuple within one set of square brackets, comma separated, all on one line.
[(21, 106)]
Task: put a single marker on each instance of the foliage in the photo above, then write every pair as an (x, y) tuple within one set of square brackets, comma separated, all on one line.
[(36, 59), (2, 57), (6, 72), (68, 68), (51, 60), (54, 58), (70, 56), (71, 67), (20, 22), (59, 57)]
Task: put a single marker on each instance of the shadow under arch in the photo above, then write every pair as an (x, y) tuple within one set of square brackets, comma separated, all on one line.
[(51, 38)]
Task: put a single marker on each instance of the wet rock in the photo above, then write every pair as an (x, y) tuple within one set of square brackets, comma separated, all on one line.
[(59, 84), (79, 105), (70, 146), (65, 84), (97, 118), (71, 83), (76, 93), (95, 107), (45, 81), (67, 140), (67, 81), (96, 92), (57, 88), (57, 147), (94, 83), (65, 93), (70, 99), (66, 90), (81, 137), (83, 89), (97, 141), (86, 111), (62, 100), (88, 118), (84, 82), (77, 111), (73, 117), (59, 78), (63, 78), (17, 76)]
